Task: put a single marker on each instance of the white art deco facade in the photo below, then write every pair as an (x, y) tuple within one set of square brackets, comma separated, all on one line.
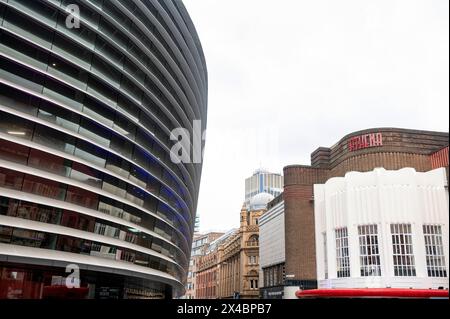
[(383, 229)]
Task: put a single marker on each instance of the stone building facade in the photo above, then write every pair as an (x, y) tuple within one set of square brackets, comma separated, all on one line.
[(231, 269)]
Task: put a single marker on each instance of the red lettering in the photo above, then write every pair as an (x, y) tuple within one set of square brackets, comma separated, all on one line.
[(365, 141)]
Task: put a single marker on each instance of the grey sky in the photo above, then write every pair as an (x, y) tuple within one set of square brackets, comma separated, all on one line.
[(287, 76)]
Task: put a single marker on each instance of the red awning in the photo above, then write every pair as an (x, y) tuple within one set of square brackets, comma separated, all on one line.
[(372, 292)]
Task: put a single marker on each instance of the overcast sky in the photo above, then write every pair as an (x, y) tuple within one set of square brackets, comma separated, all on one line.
[(288, 76)]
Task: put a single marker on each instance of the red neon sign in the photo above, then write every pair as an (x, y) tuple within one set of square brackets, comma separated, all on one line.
[(365, 141)]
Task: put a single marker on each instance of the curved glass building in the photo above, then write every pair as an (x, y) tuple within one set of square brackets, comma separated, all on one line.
[(91, 205)]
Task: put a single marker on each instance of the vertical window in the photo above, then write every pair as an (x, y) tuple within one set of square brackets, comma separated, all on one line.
[(369, 251), (10, 179), (325, 254), (82, 197), (13, 152), (342, 255), (44, 187), (404, 264), (434, 251)]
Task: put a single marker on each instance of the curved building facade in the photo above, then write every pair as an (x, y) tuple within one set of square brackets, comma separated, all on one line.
[(89, 93)]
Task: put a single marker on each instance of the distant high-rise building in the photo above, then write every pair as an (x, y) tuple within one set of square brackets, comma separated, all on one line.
[(263, 181), (197, 224)]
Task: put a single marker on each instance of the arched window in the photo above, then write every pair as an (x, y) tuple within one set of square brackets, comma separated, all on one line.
[(253, 240)]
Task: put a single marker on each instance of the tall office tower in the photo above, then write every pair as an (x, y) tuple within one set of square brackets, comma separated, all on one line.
[(89, 93), (263, 181)]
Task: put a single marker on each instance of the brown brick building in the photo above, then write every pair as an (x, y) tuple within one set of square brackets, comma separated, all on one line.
[(200, 245), (207, 276), (390, 148)]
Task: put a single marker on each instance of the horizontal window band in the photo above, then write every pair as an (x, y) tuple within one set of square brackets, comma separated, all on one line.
[(82, 138), (67, 206), (31, 255)]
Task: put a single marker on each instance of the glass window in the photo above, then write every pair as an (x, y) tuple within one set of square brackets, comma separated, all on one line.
[(147, 142), (128, 107), (114, 186), (135, 195), (67, 72), (8, 206), (27, 27), (104, 251), (121, 146), (5, 234), (342, 253), (44, 187), (325, 254), (98, 111), (16, 126), (125, 127), (369, 252), (81, 34), (108, 50), (18, 100), (118, 165), (76, 53), (138, 176), (103, 92), (40, 213), (140, 157), (49, 162), (86, 174), (53, 139), (81, 197), (73, 245), (404, 264), (434, 249), (94, 132), (11, 179), (134, 71), (62, 117), (111, 31), (32, 238), (39, 10), (105, 70), (13, 152), (110, 207), (78, 221), (91, 153), (132, 89), (63, 93), (85, 12), (148, 123), (26, 52)]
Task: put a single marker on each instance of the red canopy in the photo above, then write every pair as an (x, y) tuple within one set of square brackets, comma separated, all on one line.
[(372, 292)]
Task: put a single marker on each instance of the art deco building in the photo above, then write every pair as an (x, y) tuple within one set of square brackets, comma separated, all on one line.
[(362, 151), (87, 104), (381, 229)]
